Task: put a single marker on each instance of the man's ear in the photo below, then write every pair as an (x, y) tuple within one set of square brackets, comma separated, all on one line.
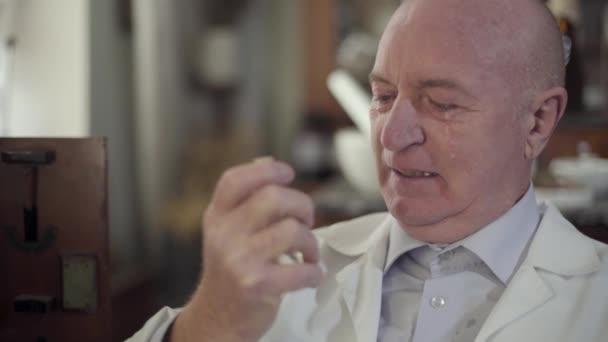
[(547, 109)]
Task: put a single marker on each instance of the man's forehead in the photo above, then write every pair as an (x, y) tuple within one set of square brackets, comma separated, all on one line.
[(482, 25), (445, 36), (472, 10)]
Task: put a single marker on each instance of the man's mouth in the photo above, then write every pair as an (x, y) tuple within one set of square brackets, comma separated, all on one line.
[(415, 173)]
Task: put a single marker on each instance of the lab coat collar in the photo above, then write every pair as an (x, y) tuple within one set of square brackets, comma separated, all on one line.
[(364, 234), (557, 247), (360, 282)]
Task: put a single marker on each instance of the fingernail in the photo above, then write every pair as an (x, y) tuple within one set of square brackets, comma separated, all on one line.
[(263, 159), (286, 259), (284, 170)]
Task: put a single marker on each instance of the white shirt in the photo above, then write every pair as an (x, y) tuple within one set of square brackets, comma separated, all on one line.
[(445, 293)]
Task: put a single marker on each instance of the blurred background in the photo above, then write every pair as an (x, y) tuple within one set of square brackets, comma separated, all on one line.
[(184, 89)]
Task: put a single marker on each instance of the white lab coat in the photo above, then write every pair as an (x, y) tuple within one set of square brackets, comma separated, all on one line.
[(559, 293)]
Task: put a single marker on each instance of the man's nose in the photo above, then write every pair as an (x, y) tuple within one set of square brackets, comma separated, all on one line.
[(401, 128)]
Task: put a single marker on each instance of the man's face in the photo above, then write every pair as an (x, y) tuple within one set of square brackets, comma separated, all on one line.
[(449, 147)]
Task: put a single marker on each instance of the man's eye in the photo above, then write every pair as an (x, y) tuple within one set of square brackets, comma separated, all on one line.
[(383, 99), (382, 103), (442, 107)]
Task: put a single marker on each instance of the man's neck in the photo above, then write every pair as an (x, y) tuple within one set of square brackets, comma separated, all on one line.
[(470, 220)]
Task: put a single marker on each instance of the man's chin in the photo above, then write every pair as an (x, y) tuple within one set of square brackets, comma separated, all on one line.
[(416, 213), (425, 226), (417, 221), (434, 228)]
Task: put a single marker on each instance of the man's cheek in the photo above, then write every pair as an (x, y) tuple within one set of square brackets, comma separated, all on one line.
[(463, 163)]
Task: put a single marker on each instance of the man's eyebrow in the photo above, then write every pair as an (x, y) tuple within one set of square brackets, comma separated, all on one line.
[(373, 77), (443, 83)]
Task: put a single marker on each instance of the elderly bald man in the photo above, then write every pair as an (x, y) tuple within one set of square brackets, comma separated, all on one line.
[(466, 94)]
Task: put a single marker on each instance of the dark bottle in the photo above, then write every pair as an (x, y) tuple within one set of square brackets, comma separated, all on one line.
[(575, 79)]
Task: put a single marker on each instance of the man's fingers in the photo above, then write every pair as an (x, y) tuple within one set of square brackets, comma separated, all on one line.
[(239, 182), (273, 203), (286, 236)]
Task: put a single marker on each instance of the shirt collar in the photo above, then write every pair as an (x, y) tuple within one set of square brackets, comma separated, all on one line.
[(499, 245), (399, 243)]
